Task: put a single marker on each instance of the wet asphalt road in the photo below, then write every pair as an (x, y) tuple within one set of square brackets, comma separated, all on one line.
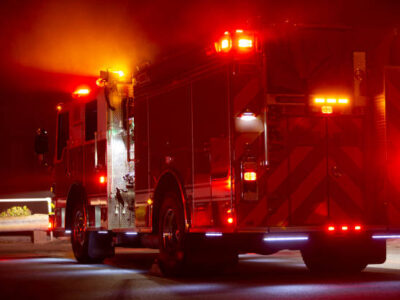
[(49, 271)]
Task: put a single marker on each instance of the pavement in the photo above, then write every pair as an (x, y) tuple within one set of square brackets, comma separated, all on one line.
[(49, 271), (21, 247)]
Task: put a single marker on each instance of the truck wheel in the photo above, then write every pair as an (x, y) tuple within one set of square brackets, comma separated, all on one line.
[(171, 236), (80, 235), (321, 261)]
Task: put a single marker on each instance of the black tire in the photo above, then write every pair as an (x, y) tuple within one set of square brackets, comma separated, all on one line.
[(320, 260), (80, 235), (172, 236)]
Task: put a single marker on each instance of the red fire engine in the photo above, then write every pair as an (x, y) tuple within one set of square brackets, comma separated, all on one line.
[(265, 141)]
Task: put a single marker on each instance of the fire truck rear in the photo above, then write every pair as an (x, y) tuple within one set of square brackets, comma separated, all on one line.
[(265, 141)]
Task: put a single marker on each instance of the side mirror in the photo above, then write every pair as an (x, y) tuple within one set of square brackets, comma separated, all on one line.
[(41, 142), (41, 145)]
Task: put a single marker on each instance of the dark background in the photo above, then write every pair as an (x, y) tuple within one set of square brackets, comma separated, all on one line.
[(48, 48)]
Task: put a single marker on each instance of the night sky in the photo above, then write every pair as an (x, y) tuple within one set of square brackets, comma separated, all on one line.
[(47, 48)]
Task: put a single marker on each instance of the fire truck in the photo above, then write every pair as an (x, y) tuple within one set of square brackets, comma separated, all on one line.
[(266, 140)]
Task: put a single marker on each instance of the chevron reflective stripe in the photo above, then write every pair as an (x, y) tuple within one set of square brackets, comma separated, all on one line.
[(246, 92), (319, 177)]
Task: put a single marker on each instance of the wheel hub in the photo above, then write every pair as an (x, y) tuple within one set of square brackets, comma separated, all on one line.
[(79, 227), (171, 233)]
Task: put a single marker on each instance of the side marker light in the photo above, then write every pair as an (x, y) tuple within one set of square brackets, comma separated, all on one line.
[(286, 238), (213, 234)]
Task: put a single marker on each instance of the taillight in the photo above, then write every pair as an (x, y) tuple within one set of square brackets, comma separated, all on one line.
[(249, 180), (250, 176), (50, 225), (102, 179), (229, 216)]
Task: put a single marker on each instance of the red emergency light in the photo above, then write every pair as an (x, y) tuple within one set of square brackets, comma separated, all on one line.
[(331, 228), (239, 41), (59, 107)]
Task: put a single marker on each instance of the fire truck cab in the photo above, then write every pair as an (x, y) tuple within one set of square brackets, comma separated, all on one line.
[(264, 141)]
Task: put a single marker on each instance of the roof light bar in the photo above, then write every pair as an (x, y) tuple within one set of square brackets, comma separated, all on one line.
[(343, 101), (331, 100), (240, 40), (131, 233), (245, 43)]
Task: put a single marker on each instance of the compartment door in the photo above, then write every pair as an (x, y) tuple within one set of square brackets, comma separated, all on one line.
[(346, 172)]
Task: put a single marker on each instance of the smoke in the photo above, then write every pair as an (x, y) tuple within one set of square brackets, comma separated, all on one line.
[(80, 38), (42, 42)]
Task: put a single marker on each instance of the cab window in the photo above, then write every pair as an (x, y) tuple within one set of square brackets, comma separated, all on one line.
[(90, 120), (63, 133)]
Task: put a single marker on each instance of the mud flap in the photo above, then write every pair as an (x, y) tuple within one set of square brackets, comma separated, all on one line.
[(100, 245), (349, 249), (376, 252)]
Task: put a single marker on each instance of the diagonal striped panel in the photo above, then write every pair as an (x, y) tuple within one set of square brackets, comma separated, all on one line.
[(309, 196), (346, 168), (341, 205), (294, 180), (313, 208)]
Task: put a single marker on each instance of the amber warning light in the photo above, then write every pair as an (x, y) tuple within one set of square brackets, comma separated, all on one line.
[(81, 92), (329, 105)]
